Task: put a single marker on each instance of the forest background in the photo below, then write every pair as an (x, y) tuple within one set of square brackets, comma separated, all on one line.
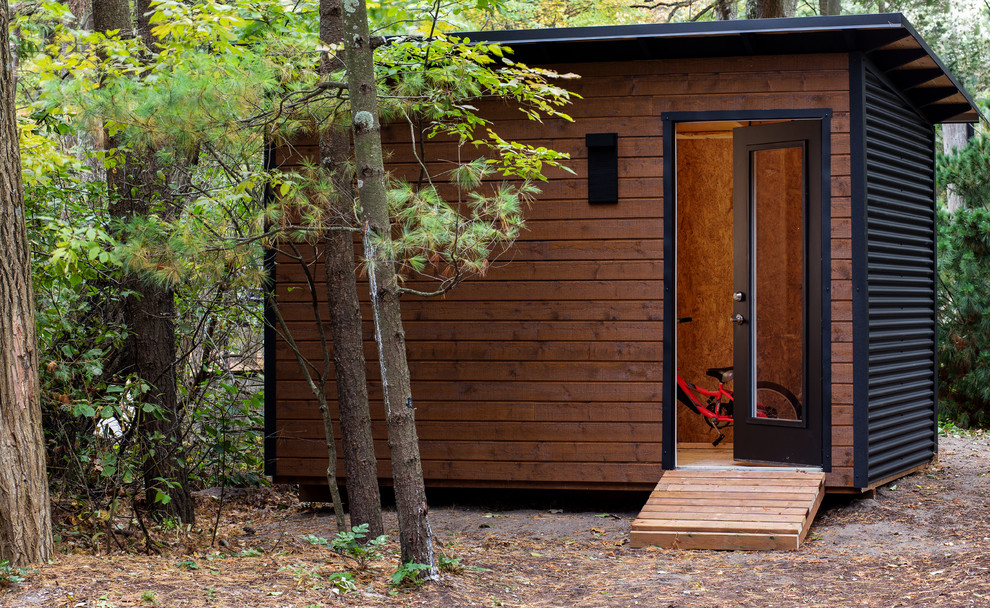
[(185, 227)]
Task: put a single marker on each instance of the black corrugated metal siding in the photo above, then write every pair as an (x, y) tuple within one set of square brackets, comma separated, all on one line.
[(900, 239)]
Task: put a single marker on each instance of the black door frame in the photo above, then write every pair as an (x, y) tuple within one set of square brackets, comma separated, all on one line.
[(668, 392)]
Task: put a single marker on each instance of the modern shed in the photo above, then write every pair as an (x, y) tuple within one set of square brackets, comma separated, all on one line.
[(769, 181)]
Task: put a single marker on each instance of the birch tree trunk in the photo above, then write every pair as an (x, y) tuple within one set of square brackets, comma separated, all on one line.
[(954, 138), (360, 465), (407, 470), (25, 511)]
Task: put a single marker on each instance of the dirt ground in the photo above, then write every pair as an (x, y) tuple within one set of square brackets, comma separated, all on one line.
[(921, 541)]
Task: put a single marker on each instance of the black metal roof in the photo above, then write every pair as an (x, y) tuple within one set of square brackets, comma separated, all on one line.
[(889, 40)]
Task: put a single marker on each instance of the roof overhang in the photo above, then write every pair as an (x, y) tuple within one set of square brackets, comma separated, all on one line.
[(889, 40)]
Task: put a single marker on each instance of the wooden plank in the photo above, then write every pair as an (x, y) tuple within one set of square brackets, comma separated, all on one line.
[(842, 352), (720, 503), (498, 431), (581, 486), (512, 371), (751, 487), (738, 473), (743, 493), (552, 250), (647, 331), (741, 497), (628, 391), (681, 67), (531, 451), (714, 541), (727, 475), (590, 473), (842, 331), (842, 457), (842, 372), (448, 310), (628, 147), (629, 167), (775, 527), (842, 393), (518, 290), (579, 249), (484, 350), (736, 511), (504, 411), (842, 435), (735, 102), (690, 516), (812, 512), (768, 484), (842, 415), (592, 89), (510, 269)]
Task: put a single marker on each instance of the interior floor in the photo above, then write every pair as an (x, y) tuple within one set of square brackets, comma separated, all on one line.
[(704, 454), (707, 456)]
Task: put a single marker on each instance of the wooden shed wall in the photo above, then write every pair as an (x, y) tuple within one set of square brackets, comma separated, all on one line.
[(547, 372)]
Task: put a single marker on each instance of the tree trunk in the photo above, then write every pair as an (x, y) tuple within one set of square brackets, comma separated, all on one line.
[(149, 314), (830, 7), (954, 138), (360, 464), (364, 498), (149, 311), (407, 470), (112, 15), (725, 10), (770, 9), (25, 511), (318, 384)]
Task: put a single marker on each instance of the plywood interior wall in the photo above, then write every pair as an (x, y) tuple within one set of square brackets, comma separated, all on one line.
[(704, 263), (780, 256)]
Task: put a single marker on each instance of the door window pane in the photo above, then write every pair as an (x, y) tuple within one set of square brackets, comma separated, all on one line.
[(779, 259)]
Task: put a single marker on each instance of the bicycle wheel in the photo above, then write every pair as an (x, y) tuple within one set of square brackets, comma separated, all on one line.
[(776, 401)]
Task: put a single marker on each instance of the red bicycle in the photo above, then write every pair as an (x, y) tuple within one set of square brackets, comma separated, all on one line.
[(772, 399)]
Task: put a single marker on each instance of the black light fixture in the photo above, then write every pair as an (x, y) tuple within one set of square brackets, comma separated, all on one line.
[(603, 167)]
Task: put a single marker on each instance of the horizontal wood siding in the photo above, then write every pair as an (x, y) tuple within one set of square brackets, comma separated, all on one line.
[(547, 371)]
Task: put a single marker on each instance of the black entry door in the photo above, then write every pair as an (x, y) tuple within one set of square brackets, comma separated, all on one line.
[(777, 292)]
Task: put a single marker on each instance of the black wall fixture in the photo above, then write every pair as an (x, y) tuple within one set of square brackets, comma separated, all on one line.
[(603, 167)]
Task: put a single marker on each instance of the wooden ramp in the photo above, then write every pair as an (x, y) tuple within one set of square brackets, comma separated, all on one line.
[(730, 509)]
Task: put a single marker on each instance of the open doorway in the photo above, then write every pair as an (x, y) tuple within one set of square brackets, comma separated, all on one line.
[(704, 279), (747, 195)]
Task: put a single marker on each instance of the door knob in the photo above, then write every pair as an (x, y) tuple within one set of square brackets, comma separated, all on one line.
[(739, 296), (737, 319)]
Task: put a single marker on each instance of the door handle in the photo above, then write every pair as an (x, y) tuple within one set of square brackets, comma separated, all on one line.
[(737, 319)]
